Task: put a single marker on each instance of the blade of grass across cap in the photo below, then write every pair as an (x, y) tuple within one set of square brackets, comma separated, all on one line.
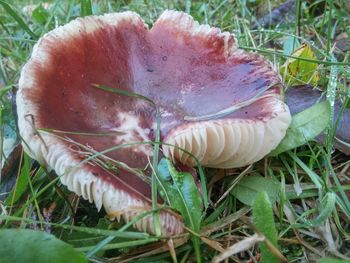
[(108, 163), (8, 8), (97, 154), (36, 195), (101, 153), (199, 166), (259, 95), (80, 133), (155, 151), (124, 92)]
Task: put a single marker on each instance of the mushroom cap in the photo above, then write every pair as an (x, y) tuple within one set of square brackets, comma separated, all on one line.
[(192, 73)]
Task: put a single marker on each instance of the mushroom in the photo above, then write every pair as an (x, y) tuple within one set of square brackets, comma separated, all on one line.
[(217, 102)]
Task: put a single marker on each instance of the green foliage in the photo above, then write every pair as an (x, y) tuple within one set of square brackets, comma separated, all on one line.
[(325, 209), (10, 10), (249, 188), (22, 182), (24, 245), (263, 220), (86, 7), (40, 15), (298, 71), (314, 190), (332, 260), (290, 44), (305, 126), (181, 192)]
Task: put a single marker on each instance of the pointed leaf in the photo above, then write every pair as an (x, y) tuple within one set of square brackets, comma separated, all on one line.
[(180, 191), (25, 245), (263, 220), (249, 187), (305, 126)]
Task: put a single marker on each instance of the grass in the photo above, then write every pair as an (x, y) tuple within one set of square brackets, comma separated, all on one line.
[(312, 208)]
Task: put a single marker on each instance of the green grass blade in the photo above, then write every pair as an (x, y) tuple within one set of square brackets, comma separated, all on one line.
[(22, 182), (86, 8), (270, 52), (313, 176), (184, 197), (101, 245), (121, 244), (18, 19), (88, 230), (264, 222)]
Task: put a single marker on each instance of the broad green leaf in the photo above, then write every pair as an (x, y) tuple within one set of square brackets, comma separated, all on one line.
[(249, 187), (305, 126), (263, 220), (332, 260), (299, 71), (25, 245), (180, 191)]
